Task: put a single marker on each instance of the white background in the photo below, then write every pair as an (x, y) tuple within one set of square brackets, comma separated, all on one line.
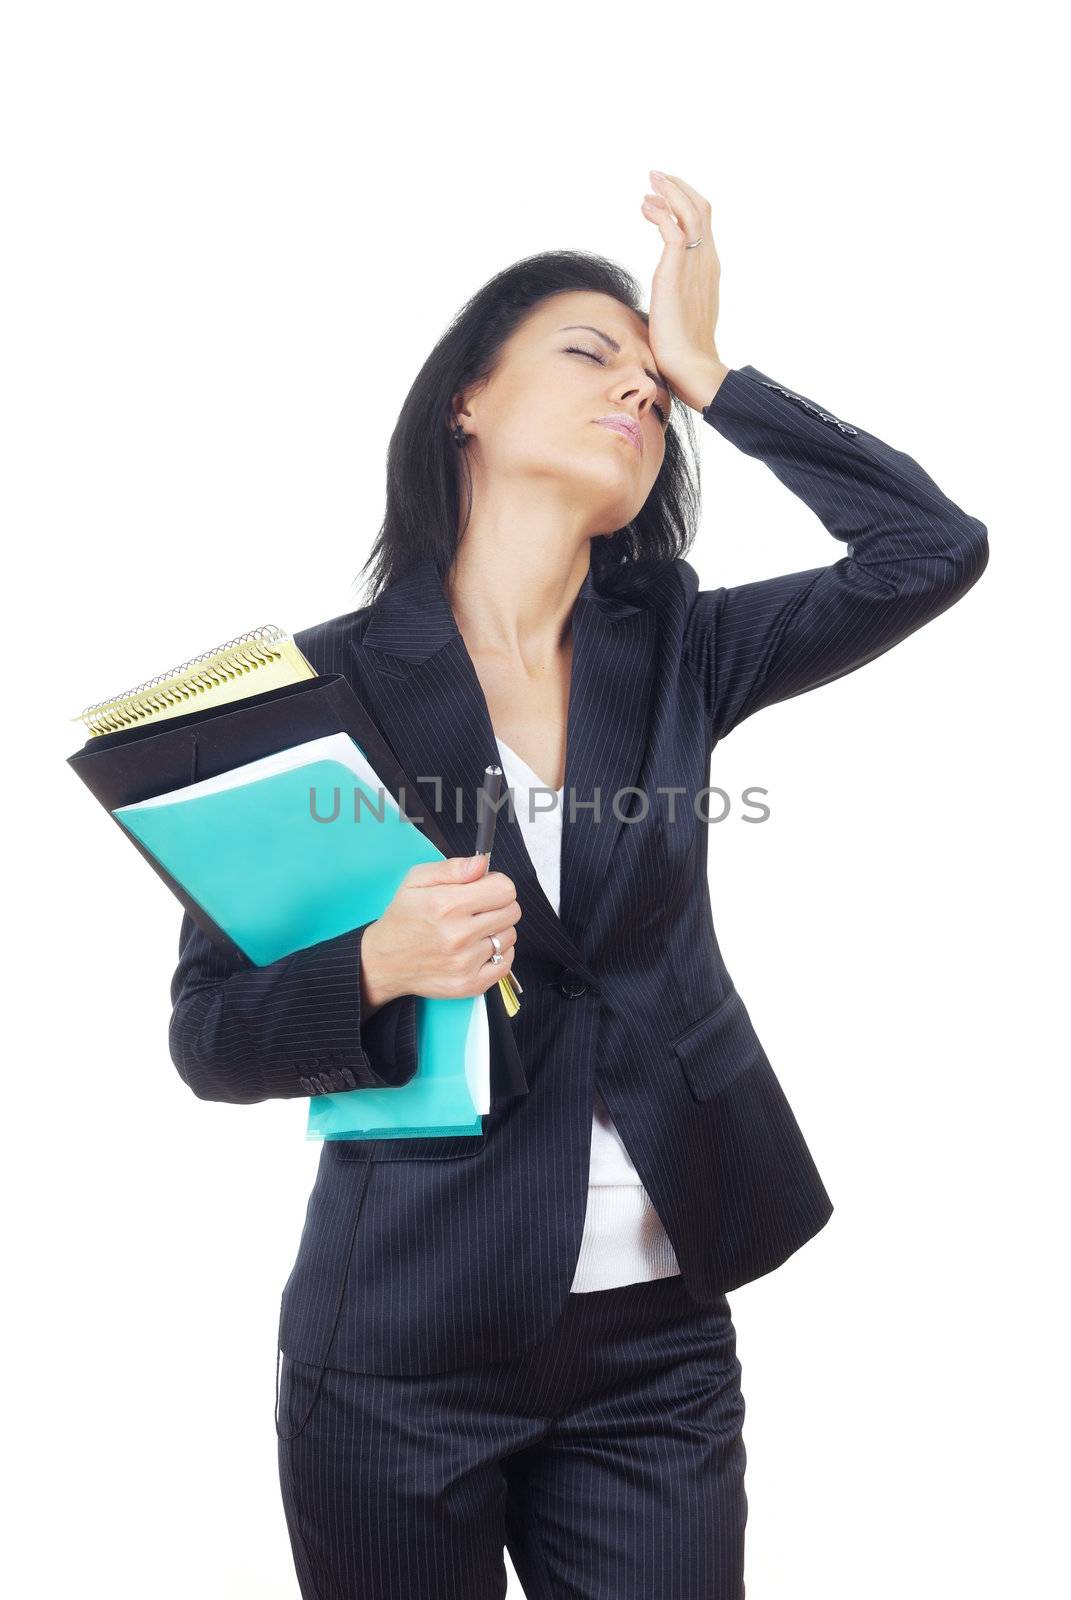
[(234, 231)]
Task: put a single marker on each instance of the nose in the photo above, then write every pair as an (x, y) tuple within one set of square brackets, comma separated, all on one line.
[(644, 388)]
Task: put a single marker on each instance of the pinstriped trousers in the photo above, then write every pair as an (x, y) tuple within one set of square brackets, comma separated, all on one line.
[(608, 1459)]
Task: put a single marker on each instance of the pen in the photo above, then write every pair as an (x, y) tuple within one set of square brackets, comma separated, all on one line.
[(487, 817)]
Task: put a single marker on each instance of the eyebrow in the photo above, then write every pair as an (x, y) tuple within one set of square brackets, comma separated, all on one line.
[(616, 348)]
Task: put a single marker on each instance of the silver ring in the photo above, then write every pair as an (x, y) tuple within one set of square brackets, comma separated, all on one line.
[(496, 958), (699, 241)]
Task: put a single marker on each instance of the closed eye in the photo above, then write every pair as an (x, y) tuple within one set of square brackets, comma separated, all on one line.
[(575, 350)]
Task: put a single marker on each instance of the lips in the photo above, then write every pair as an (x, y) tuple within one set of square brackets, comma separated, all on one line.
[(623, 424)]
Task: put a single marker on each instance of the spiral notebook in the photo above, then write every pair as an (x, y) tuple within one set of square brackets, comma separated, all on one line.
[(265, 658)]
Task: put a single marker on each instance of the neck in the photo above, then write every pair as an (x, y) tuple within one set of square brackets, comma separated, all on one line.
[(513, 586)]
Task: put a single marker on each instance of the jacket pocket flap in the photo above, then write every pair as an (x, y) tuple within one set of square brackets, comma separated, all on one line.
[(718, 1047), (444, 1147)]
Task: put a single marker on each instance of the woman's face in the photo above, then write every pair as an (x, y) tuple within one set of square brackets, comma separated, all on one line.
[(576, 358)]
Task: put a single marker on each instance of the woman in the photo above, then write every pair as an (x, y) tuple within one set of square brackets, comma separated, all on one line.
[(521, 1338)]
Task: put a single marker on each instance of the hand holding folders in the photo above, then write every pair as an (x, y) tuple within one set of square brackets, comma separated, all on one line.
[(208, 769), (417, 946)]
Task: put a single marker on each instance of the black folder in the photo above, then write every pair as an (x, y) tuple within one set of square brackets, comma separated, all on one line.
[(138, 763)]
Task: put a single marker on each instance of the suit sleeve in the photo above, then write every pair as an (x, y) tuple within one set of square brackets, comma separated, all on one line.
[(291, 1028), (910, 553)]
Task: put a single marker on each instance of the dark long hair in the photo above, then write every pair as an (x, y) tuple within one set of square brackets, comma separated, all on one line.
[(424, 466)]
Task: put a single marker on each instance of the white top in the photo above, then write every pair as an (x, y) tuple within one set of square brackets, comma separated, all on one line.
[(623, 1239)]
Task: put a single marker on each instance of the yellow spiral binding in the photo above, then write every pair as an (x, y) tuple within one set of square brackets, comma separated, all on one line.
[(215, 676)]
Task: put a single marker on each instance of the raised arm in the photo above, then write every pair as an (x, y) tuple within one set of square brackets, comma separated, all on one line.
[(910, 553), (292, 1028)]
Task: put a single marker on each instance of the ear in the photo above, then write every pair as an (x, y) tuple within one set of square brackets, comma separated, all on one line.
[(461, 409), (464, 404)]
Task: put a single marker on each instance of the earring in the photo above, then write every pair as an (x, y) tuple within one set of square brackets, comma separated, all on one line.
[(460, 436)]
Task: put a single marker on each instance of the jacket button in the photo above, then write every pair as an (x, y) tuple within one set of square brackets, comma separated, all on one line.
[(572, 987), (308, 1086)]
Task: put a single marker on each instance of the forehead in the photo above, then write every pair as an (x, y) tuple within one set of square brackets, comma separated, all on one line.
[(592, 310)]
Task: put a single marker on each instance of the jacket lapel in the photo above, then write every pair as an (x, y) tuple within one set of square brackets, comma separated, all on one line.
[(423, 690)]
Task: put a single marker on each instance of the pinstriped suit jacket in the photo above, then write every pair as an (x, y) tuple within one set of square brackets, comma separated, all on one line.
[(422, 1254)]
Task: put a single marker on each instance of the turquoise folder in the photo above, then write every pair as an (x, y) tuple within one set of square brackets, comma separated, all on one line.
[(279, 862)]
